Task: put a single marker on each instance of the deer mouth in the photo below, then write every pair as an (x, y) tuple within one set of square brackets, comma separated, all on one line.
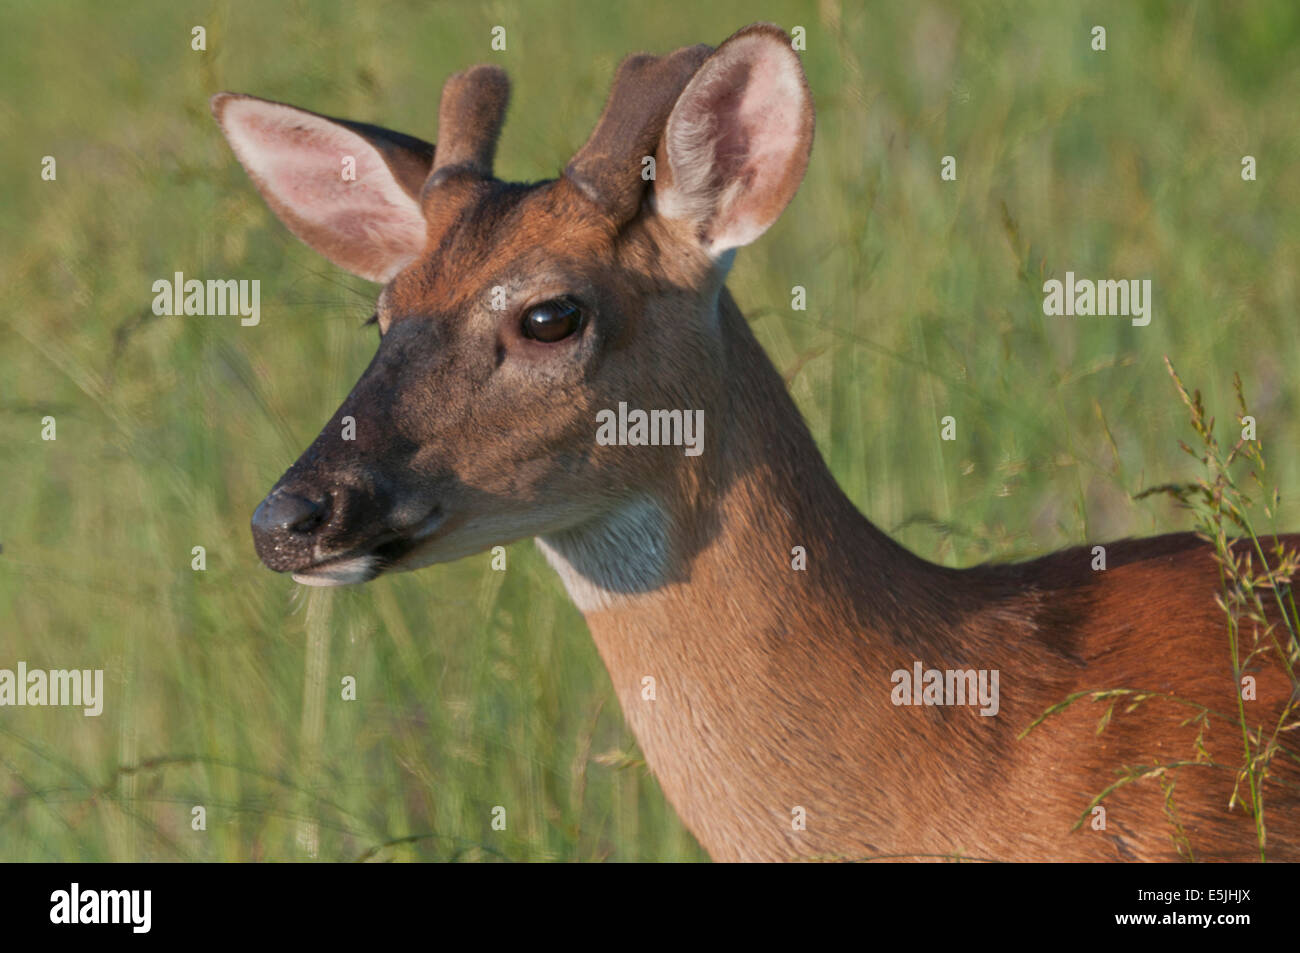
[(364, 563)]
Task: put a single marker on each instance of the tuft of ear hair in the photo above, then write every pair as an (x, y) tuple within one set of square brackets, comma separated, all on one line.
[(737, 141)]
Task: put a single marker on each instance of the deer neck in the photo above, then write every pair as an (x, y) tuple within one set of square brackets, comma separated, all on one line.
[(760, 516), (745, 600)]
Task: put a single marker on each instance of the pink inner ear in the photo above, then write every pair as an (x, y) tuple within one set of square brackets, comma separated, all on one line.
[(737, 142), (758, 139), (369, 225)]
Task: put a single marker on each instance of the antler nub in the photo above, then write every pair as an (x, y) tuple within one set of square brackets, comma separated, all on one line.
[(470, 115), (608, 168)]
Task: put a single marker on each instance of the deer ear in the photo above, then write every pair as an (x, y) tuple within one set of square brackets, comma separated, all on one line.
[(349, 190), (737, 141)]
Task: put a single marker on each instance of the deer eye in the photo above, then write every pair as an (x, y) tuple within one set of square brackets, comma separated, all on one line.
[(552, 321)]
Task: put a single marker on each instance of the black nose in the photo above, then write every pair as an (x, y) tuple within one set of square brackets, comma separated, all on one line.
[(287, 512)]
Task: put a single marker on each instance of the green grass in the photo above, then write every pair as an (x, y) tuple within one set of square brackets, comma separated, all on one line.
[(479, 688)]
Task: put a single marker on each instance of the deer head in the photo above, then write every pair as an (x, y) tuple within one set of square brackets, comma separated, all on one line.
[(512, 314)]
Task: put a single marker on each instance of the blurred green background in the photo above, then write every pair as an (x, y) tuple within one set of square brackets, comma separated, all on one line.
[(479, 688)]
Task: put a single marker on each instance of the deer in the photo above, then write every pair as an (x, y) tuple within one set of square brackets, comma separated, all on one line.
[(512, 315)]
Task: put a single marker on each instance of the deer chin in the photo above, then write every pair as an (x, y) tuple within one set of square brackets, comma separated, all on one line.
[(457, 539), (340, 572), (467, 534)]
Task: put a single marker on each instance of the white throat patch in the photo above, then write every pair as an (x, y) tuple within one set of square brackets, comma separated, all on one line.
[(622, 553)]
